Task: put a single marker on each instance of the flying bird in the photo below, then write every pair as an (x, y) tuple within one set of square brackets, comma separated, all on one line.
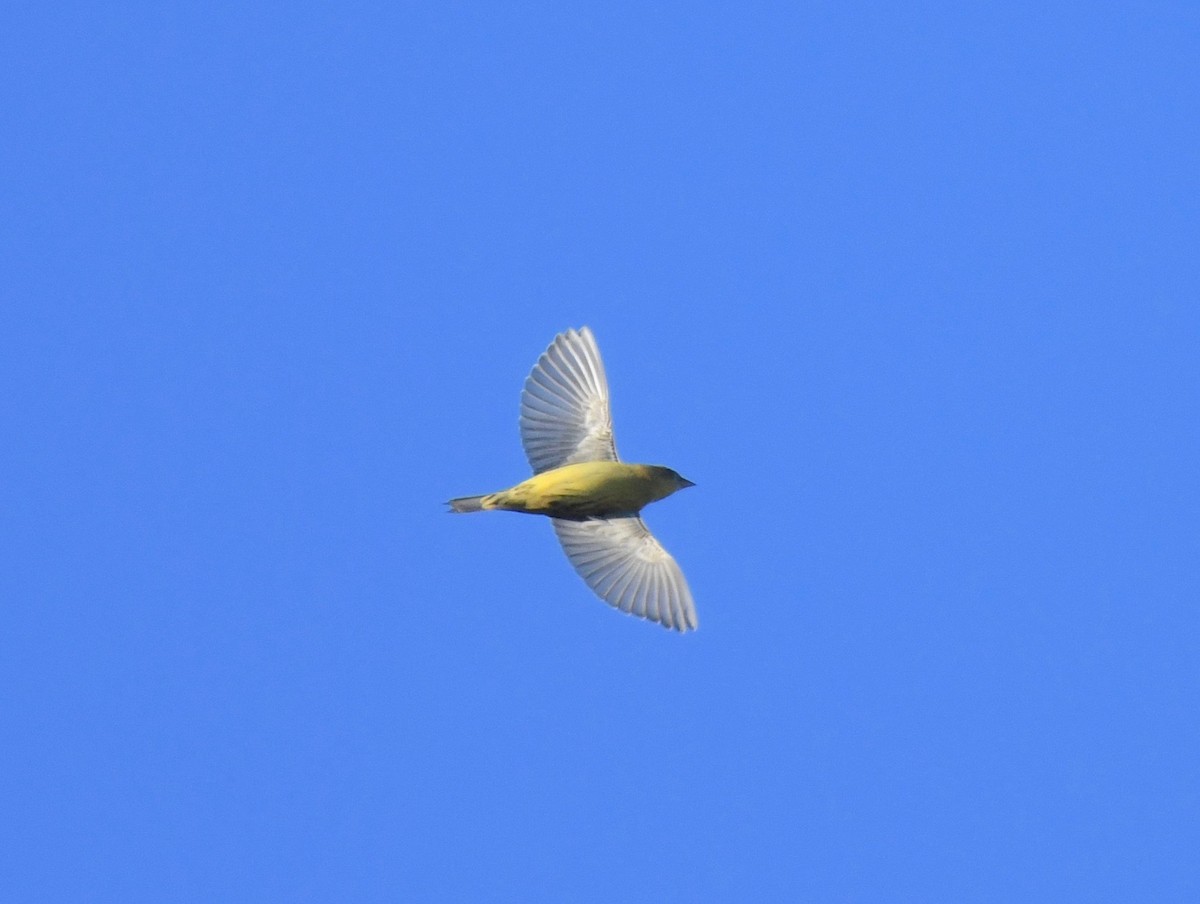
[(592, 498)]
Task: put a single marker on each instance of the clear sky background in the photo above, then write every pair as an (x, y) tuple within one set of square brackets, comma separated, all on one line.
[(912, 294)]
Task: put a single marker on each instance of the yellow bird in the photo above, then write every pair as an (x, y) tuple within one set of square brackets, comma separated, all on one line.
[(591, 496)]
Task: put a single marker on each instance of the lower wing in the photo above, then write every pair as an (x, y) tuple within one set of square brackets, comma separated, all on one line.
[(620, 560)]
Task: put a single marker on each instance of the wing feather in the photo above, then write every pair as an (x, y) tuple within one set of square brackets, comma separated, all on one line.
[(623, 563), (565, 416)]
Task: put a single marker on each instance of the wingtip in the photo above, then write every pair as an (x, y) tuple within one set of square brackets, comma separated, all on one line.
[(685, 626)]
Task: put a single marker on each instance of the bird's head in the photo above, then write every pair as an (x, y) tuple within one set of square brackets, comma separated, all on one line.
[(668, 481)]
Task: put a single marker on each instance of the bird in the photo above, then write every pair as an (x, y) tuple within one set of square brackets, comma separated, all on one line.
[(593, 498)]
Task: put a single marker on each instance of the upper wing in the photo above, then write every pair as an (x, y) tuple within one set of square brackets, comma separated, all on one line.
[(620, 560), (564, 405)]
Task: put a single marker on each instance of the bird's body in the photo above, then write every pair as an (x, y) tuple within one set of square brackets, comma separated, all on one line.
[(593, 498), (588, 489)]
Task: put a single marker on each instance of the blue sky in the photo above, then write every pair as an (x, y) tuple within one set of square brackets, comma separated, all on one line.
[(911, 294)]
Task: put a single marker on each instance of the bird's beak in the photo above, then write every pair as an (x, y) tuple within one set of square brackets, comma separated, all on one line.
[(684, 483)]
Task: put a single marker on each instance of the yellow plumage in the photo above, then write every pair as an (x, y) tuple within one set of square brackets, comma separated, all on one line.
[(590, 489)]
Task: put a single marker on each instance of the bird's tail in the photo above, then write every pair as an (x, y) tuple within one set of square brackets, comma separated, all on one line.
[(467, 504)]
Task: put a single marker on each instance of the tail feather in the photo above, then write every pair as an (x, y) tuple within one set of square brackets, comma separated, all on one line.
[(466, 504)]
